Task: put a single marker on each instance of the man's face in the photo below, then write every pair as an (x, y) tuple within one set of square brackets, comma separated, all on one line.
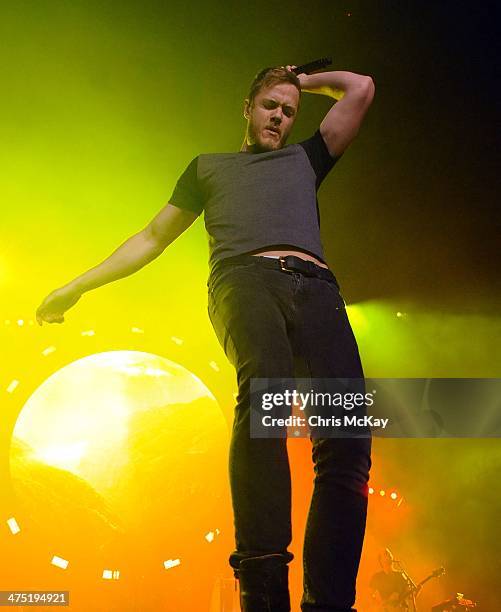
[(386, 560), (271, 116)]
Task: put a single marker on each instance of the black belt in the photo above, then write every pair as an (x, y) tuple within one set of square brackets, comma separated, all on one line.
[(286, 263)]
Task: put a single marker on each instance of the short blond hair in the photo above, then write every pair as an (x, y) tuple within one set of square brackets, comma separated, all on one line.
[(270, 76)]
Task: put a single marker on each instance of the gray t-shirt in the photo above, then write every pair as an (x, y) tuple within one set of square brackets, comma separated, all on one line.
[(254, 201)]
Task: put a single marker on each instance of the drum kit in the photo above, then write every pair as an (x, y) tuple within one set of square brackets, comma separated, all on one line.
[(458, 602)]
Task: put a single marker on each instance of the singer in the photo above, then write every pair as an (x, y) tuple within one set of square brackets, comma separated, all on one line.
[(276, 309)]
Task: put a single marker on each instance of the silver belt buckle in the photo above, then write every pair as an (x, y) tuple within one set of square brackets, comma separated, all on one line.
[(281, 259)]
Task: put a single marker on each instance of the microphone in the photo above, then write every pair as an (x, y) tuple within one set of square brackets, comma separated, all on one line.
[(312, 66)]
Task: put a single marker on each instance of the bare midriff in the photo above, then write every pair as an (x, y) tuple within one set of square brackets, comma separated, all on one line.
[(301, 254)]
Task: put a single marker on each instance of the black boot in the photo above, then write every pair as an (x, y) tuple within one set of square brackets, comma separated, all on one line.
[(264, 584)]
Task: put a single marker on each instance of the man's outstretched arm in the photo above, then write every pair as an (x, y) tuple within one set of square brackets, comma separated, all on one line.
[(131, 256), (354, 93)]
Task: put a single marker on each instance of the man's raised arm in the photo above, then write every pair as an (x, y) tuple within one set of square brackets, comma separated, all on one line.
[(354, 93), (131, 256)]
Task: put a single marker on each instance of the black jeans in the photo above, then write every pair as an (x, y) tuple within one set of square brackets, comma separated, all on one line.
[(274, 324)]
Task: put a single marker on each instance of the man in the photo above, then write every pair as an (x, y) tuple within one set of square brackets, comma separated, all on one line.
[(275, 306), (389, 587)]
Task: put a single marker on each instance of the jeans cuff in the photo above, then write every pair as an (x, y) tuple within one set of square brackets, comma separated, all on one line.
[(260, 557)]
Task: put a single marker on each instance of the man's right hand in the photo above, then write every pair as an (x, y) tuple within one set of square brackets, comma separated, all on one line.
[(133, 254), (53, 307)]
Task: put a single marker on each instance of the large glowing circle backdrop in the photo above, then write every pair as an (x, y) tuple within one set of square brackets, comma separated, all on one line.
[(122, 450)]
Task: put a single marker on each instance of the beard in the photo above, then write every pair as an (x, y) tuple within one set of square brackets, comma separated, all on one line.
[(260, 144)]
